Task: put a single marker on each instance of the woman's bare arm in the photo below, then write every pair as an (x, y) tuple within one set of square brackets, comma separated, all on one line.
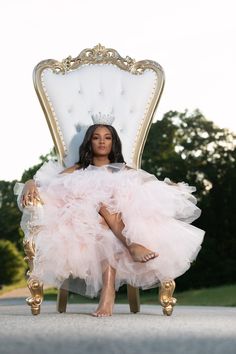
[(71, 169)]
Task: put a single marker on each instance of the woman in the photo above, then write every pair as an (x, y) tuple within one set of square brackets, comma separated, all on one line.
[(106, 224)]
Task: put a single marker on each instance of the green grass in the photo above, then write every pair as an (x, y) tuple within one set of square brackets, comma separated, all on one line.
[(51, 295), (218, 296), (6, 288)]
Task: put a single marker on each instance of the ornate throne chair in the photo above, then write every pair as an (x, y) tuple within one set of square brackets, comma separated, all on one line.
[(97, 80)]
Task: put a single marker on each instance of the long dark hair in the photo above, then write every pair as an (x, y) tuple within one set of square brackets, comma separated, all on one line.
[(86, 152)]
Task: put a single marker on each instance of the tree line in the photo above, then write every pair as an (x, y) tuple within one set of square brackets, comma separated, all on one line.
[(184, 146)]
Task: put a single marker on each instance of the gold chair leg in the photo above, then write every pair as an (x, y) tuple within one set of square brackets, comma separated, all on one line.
[(165, 295), (34, 301), (62, 298), (35, 285), (133, 298)]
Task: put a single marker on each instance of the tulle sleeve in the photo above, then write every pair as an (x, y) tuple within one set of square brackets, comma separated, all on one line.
[(18, 188), (43, 176), (47, 172)]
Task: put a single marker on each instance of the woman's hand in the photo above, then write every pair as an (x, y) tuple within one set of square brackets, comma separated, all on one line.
[(30, 195)]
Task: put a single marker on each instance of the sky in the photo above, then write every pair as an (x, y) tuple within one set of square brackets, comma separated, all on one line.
[(193, 40)]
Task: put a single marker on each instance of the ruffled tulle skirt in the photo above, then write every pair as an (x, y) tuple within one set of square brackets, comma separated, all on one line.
[(73, 243)]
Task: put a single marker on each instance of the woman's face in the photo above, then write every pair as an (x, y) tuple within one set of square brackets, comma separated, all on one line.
[(101, 141)]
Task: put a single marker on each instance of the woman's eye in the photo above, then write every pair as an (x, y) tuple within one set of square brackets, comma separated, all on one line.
[(101, 138)]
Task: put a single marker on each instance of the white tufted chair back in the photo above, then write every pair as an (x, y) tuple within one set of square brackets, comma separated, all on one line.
[(98, 80)]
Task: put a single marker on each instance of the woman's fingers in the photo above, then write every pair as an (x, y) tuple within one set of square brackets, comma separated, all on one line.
[(30, 197)]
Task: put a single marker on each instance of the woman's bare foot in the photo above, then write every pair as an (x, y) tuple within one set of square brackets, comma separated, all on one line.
[(106, 302), (140, 253), (107, 297)]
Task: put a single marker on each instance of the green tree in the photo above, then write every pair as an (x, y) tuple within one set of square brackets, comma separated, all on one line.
[(10, 215), (29, 174), (12, 265), (188, 147)]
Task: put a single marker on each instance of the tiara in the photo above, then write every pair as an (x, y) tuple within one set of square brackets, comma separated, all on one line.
[(100, 118)]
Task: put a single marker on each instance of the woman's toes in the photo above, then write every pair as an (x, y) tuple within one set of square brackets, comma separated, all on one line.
[(101, 314), (141, 254), (150, 256)]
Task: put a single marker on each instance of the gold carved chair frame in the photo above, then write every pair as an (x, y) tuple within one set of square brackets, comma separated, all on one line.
[(112, 76)]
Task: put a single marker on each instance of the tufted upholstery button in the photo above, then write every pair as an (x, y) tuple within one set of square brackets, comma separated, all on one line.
[(69, 110), (77, 127), (122, 92)]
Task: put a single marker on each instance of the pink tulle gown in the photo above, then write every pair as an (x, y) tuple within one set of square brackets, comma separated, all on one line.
[(72, 241)]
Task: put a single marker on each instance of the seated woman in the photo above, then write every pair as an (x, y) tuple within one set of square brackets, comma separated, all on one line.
[(106, 224)]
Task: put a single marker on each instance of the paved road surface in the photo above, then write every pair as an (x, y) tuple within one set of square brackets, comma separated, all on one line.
[(190, 330)]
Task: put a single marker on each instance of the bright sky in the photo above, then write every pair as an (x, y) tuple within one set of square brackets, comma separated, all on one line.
[(194, 41)]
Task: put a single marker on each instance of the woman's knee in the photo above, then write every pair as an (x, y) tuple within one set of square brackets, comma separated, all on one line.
[(113, 220), (103, 211)]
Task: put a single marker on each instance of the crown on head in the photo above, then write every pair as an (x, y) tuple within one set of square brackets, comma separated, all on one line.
[(100, 118)]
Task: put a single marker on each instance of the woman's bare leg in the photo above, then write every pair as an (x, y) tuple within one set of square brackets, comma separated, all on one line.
[(138, 252), (107, 297)]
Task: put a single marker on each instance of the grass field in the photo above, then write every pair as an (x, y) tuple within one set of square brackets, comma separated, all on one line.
[(7, 288), (218, 296)]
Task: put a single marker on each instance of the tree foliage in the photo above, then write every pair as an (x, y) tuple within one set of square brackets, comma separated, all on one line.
[(12, 265), (29, 174), (188, 147), (10, 215)]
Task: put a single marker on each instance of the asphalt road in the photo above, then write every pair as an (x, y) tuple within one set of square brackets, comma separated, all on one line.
[(190, 330)]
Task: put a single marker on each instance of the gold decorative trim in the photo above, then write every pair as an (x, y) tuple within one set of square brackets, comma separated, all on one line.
[(36, 298), (34, 284), (165, 295), (98, 55)]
